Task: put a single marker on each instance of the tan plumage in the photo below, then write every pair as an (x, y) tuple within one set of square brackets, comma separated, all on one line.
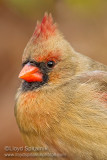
[(67, 114)]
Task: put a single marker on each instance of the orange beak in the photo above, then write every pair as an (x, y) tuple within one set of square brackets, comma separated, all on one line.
[(31, 73)]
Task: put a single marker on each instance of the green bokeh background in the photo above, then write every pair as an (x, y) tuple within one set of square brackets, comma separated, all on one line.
[(30, 7)]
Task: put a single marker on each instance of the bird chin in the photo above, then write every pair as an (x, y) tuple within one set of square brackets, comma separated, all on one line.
[(29, 86)]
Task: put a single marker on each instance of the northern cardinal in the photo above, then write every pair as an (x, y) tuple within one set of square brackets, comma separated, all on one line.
[(62, 101)]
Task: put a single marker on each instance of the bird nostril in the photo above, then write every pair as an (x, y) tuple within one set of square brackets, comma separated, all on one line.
[(33, 63)]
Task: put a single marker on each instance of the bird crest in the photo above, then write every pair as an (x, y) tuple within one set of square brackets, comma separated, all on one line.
[(46, 28)]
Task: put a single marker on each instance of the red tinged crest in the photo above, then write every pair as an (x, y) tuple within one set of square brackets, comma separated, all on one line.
[(46, 28)]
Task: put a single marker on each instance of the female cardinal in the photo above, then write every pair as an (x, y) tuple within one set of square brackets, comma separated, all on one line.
[(62, 101)]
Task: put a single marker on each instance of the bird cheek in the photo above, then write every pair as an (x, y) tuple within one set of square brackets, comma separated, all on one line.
[(54, 77)]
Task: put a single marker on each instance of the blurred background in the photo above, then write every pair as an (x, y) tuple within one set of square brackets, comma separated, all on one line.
[(84, 25)]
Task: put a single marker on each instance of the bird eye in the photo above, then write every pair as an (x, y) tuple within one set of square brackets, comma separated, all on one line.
[(50, 64)]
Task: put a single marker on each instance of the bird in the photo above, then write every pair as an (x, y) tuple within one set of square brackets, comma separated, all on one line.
[(61, 104)]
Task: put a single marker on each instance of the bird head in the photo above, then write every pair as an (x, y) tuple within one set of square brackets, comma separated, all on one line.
[(48, 58)]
